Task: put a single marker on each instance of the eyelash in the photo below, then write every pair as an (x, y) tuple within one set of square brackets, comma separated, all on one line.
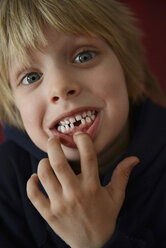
[(93, 54), (28, 75), (76, 60)]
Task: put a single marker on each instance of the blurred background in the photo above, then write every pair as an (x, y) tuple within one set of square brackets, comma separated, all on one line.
[(152, 21)]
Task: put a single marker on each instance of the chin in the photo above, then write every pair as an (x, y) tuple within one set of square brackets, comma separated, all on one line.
[(72, 154)]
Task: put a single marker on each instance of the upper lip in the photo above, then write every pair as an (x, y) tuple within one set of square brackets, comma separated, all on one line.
[(71, 113)]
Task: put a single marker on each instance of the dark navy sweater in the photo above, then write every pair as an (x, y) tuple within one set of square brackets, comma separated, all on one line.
[(142, 220)]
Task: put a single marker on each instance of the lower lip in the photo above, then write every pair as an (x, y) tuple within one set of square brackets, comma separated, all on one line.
[(68, 140)]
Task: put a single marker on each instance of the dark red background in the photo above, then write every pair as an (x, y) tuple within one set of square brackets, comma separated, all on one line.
[(152, 16)]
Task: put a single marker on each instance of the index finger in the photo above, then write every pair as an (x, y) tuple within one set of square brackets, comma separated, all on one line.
[(88, 157)]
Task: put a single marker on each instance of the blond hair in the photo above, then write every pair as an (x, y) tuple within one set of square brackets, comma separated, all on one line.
[(22, 25)]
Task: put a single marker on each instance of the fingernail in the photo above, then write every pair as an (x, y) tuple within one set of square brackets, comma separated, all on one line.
[(52, 137), (76, 133)]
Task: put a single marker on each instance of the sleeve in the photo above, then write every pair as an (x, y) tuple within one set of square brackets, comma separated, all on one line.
[(121, 240), (146, 227), (14, 230)]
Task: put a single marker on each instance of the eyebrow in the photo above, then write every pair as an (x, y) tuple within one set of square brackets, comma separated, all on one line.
[(19, 68), (80, 40)]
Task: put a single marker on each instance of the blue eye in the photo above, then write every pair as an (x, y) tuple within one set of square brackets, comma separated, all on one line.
[(84, 57), (31, 78)]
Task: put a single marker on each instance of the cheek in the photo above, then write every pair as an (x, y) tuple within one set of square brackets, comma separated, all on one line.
[(112, 88), (107, 80), (31, 111), (117, 105)]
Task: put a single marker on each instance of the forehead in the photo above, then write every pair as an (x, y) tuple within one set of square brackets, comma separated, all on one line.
[(57, 42), (53, 39)]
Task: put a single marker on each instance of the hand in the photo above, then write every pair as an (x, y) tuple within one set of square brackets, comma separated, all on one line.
[(78, 208)]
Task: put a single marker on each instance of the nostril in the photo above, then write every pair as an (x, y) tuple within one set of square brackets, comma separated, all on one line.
[(55, 98), (63, 95)]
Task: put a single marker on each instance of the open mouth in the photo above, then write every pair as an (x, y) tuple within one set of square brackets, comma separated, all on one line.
[(86, 122), (79, 122)]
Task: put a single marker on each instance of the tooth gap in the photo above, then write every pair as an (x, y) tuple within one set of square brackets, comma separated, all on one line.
[(77, 123)]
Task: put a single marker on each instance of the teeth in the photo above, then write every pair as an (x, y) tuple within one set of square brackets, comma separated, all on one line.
[(62, 123), (67, 127), (63, 129), (72, 120), (78, 117), (71, 125), (83, 121), (59, 128), (68, 124), (88, 120), (89, 113)]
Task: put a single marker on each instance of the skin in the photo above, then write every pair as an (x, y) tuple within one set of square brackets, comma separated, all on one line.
[(78, 209), (98, 83)]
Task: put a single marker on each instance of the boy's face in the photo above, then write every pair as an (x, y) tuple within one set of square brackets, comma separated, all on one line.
[(76, 83)]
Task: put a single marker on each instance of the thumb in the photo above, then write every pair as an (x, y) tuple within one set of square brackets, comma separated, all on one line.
[(120, 177)]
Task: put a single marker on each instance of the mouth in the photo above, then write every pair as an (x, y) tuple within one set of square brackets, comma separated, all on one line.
[(85, 121)]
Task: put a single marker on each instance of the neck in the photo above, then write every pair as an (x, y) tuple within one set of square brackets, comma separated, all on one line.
[(113, 151)]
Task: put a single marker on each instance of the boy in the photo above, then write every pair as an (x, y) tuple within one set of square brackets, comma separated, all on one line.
[(75, 87)]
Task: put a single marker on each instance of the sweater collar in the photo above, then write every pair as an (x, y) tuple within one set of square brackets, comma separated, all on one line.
[(149, 122), (22, 139), (149, 138)]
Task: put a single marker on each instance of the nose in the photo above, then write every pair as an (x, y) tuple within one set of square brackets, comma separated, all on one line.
[(63, 87), (67, 93), (64, 94)]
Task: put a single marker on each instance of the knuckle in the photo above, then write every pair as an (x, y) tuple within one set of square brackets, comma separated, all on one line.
[(122, 172), (49, 216), (58, 167), (31, 191), (30, 194), (43, 169), (93, 190), (90, 156), (125, 173), (57, 209), (75, 198)]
